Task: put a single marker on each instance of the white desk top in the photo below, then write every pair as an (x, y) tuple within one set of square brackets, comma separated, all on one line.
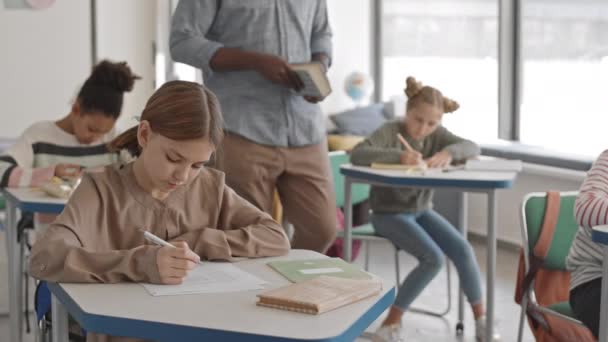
[(34, 200), (33, 195), (454, 178), (223, 313)]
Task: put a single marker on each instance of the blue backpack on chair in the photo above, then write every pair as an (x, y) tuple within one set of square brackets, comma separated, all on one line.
[(42, 306)]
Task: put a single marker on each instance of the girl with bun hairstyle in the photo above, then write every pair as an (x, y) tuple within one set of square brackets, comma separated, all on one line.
[(78, 140), (406, 216)]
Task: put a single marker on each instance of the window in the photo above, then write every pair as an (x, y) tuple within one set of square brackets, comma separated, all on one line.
[(451, 45), (565, 75)]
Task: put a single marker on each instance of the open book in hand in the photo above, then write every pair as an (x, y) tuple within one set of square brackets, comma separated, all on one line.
[(313, 76), (320, 294)]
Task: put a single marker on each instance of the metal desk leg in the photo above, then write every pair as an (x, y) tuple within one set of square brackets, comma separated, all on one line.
[(604, 301), (348, 219), (60, 320), (491, 264), (14, 278), (462, 226)]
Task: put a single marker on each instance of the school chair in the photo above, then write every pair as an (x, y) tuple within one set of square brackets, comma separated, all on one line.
[(366, 232), (548, 227)]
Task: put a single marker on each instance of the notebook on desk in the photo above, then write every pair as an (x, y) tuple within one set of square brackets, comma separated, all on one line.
[(421, 169), (403, 167), (301, 270), (319, 295)]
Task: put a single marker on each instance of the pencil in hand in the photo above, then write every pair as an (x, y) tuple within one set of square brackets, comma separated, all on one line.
[(409, 148), (404, 142)]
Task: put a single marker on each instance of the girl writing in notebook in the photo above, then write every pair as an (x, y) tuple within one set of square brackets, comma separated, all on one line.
[(405, 216), (62, 148), (167, 191)]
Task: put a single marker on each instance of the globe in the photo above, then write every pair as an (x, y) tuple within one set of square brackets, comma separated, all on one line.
[(358, 86)]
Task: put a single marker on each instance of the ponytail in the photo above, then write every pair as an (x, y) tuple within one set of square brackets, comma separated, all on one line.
[(126, 141)]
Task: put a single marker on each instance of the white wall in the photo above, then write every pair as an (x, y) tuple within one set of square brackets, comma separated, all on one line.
[(126, 31), (350, 21), (534, 178), (44, 58)]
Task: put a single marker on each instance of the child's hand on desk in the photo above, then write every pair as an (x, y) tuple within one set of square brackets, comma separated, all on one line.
[(175, 263), (68, 170), (411, 157), (440, 160)]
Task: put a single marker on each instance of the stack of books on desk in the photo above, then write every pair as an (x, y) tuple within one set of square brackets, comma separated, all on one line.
[(320, 294), (320, 285)]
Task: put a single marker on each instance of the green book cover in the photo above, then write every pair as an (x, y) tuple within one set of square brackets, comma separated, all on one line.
[(300, 270)]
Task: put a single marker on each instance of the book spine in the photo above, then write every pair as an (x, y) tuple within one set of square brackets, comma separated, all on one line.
[(289, 308)]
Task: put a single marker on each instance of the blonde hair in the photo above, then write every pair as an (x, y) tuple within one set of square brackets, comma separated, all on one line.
[(418, 93)]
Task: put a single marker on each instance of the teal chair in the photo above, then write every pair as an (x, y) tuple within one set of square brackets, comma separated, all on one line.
[(366, 233), (532, 215), (359, 193)]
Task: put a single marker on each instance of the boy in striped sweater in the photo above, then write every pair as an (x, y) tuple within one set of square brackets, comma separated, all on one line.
[(585, 257)]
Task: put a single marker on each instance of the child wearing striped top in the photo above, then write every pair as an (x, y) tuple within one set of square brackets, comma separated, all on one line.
[(585, 257), (64, 147)]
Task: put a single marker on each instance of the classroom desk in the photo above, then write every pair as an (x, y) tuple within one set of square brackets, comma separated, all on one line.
[(127, 309), (460, 180), (600, 235), (24, 199)]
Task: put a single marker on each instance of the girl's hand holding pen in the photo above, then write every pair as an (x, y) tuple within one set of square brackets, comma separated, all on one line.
[(174, 262), (409, 156)]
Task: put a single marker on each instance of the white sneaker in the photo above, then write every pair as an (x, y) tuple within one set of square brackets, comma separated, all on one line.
[(388, 333), (480, 330)]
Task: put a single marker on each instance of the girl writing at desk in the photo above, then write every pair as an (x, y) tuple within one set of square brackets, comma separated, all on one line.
[(61, 148), (64, 147), (405, 215), (167, 191)]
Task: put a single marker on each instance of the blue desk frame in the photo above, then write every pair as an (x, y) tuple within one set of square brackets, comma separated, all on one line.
[(15, 253), (63, 304)]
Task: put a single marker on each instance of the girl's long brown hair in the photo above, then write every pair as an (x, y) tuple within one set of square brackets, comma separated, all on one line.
[(178, 110)]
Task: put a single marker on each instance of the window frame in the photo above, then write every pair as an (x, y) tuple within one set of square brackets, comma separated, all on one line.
[(509, 87)]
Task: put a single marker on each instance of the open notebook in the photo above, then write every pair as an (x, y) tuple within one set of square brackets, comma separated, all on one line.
[(320, 294), (402, 167), (210, 277)]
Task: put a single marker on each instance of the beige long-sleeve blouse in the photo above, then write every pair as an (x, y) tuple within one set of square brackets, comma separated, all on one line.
[(96, 237)]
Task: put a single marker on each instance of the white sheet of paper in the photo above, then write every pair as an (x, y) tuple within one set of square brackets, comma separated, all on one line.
[(210, 277)]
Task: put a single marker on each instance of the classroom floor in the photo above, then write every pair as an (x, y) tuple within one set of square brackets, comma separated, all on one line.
[(417, 327)]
